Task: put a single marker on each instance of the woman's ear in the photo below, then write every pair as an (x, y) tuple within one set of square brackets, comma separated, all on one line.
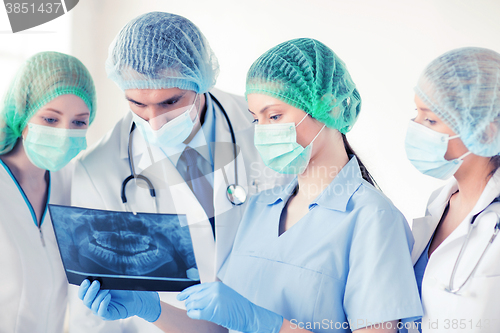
[(490, 133), (24, 132)]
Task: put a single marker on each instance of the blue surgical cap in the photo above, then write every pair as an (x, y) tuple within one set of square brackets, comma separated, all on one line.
[(160, 50), (462, 87)]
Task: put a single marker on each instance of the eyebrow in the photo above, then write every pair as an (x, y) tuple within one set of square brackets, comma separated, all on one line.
[(167, 101), (60, 113), (54, 110), (264, 109)]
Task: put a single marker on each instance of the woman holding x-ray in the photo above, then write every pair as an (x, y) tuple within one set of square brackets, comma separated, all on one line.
[(327, 249), (456, 132)]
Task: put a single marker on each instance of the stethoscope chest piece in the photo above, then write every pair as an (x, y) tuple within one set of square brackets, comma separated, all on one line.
[(236, 194)]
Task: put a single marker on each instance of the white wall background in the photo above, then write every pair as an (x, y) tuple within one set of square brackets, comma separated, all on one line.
[(385, 44), (15, 48)]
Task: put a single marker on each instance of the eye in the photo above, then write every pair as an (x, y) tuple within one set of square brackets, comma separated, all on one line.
[(432, 122), (140, 105), (170, 102), (275, 117), (80, 123), (255, 121), (49, 120)]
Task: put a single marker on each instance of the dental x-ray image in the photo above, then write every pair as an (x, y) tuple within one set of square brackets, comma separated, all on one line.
[(125, 251)]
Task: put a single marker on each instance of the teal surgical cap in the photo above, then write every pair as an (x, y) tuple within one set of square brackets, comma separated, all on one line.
[(161, 50), (308, 75), (41, 79), (462, 87)]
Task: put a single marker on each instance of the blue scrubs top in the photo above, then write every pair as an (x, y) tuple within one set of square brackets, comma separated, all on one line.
[(420, 266), (345, 265), (419, 269), (421, 263)]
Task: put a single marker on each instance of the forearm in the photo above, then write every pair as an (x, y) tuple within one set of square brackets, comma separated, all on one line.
[(288, 327), (175, 320), (387, 327)]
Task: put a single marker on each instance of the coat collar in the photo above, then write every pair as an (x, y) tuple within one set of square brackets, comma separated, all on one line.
[(335, 197), (240, 120), (423, 228)]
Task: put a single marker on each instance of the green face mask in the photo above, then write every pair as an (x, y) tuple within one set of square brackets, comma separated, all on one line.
[(278, 147), (52, 148)]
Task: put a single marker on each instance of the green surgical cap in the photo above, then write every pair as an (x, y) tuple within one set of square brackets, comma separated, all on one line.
[(462, 87), (308, 75), (41, 79)]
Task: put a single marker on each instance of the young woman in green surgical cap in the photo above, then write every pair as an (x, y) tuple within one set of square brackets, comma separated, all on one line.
[(43, 121), (457, 133), (327, 252)]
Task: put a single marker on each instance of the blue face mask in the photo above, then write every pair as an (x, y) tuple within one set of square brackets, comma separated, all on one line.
[(278, 147), (173, 133), (51, 148), (426, 148)]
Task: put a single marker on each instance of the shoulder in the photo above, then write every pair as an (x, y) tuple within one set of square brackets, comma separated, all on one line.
[(435, 194), (236, 108), (225, 97), (372, 197), (376, 217), (369, 203)]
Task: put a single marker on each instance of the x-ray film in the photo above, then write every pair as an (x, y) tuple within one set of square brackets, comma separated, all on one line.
[(125, 251)]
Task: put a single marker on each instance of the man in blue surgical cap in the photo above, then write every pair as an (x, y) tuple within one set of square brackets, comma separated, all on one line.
[(180, 134)]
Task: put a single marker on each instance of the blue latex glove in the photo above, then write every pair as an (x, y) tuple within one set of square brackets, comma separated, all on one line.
[(223, 306), (119, 304)]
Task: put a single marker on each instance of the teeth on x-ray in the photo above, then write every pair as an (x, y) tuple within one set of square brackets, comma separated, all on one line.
[(125, 252), (122, 241), (125, 262), (137, 247), (121, 244)]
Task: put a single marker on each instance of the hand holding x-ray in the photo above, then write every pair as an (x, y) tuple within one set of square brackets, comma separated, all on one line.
[(119, 304), (220, 304)]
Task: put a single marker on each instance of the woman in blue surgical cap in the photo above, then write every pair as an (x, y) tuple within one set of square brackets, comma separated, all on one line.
[(457, 133), (43, 121), (328, 251)]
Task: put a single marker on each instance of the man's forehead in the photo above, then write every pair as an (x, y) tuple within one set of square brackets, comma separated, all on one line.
[(155, 96)]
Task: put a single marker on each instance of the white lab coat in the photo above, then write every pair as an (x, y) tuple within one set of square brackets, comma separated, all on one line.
[(98, 178), (33, 292), (477, 308)]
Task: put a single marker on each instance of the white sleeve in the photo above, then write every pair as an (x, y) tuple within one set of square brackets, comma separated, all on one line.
[(81, 319)]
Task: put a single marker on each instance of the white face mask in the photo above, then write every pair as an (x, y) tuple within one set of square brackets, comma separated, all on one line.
[(51, 148), (172, 133), (426, 149), (278, 147)]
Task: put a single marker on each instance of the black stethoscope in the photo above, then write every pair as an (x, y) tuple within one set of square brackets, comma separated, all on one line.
[(235, 193)]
